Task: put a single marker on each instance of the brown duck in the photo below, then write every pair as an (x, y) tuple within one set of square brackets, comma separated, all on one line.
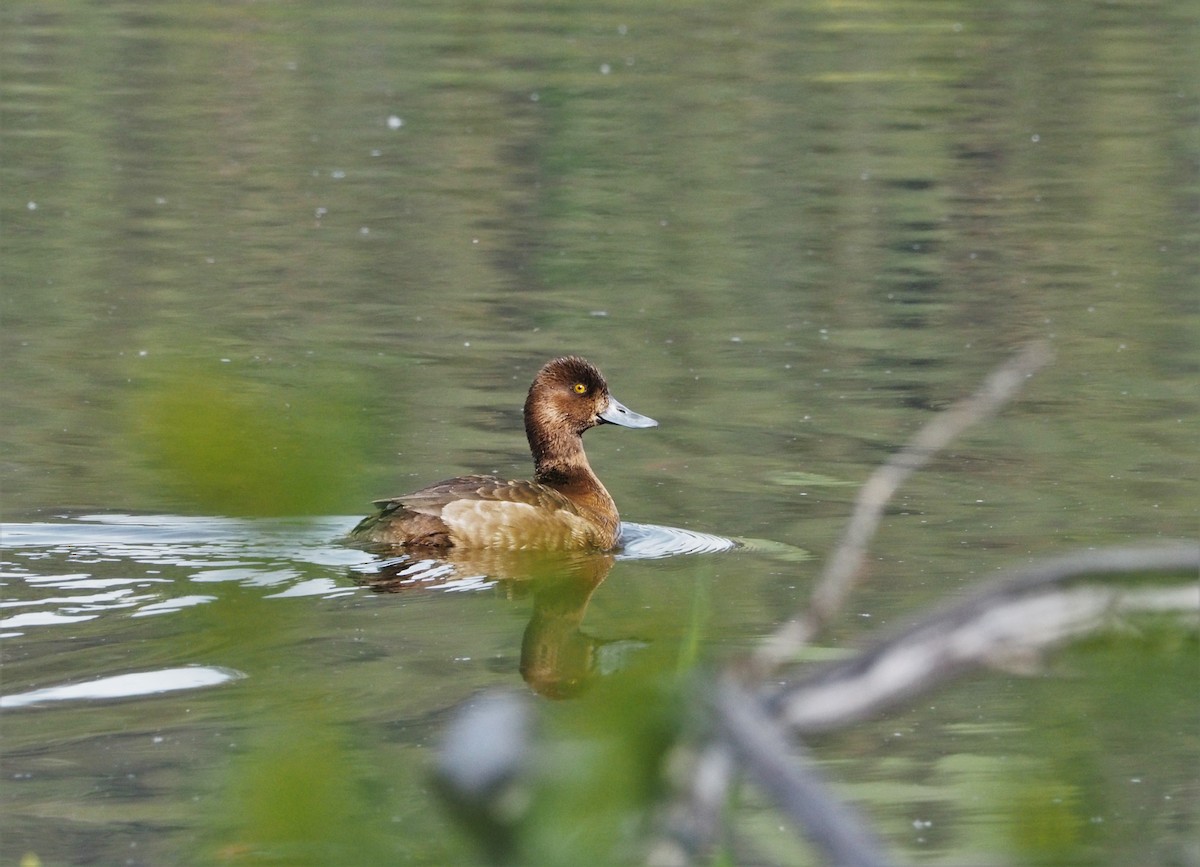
[(563, 507)]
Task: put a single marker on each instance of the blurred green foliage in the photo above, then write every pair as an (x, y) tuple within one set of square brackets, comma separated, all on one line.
[(297, 788), (603, 767), (232, 445)]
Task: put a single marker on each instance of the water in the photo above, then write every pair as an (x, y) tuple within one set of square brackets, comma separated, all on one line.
[(95, 566), (263, 264)]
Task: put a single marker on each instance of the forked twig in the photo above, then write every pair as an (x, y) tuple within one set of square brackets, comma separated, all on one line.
[(783, 770), (841, 571), (1010, 619), (1008, 622)]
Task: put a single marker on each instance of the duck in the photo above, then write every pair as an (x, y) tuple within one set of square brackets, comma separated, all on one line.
[(563, 507)]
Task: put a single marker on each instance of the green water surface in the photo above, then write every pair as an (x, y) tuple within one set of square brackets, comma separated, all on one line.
[(267, 261)]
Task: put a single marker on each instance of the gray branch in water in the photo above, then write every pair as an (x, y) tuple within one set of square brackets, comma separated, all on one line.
[(1007, 622), (788, 776), (843, 567)]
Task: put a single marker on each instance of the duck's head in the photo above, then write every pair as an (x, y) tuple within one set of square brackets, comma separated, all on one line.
[(569, 396)]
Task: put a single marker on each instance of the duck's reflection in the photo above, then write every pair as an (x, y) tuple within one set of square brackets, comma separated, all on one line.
[(558, 659)]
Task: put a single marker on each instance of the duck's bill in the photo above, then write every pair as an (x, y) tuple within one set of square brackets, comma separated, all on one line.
[(617, 413)]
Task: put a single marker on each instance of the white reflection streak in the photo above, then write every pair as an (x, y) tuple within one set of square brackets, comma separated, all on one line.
[(325, 587), (173, 604), (42, 618), (127, 685)]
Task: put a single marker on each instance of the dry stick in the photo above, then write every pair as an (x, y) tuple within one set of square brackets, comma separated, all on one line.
[(1031, 609), (696, 824), (845, 565), (783, 770), (1009, 620)]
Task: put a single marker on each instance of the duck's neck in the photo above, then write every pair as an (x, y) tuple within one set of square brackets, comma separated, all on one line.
[(568, 472)]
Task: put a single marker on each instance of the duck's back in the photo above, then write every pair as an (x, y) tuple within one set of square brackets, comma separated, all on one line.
[(484, 511)]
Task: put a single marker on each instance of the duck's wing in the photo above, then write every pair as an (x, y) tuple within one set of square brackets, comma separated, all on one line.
[(485, 512), (433, 499)]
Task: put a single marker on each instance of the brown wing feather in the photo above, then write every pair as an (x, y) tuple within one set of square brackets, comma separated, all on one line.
[(432, 499), (416, 518)]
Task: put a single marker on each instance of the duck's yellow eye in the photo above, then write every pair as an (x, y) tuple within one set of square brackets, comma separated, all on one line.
[(580, 388)]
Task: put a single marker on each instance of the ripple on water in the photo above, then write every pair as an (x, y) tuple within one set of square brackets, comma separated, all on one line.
[(652, 542), (63, 572), (80, 567), (144, 565)]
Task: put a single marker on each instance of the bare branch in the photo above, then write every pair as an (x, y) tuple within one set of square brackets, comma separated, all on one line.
[(786, 774), (844, 566), (1018, 614), (1010, 619)]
